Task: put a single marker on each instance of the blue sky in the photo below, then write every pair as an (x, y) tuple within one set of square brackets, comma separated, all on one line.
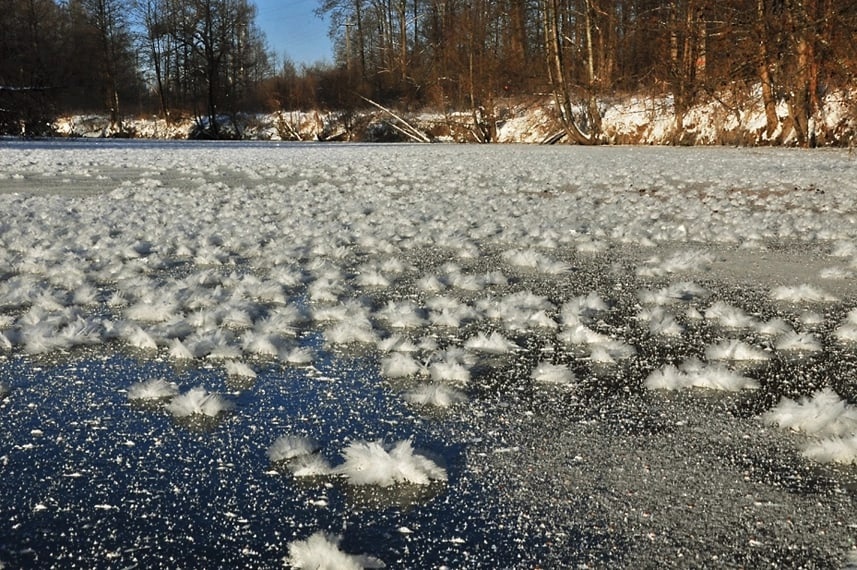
[(292, 28)]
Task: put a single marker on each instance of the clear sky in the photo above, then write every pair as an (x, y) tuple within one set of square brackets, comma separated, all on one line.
[(293, 29)]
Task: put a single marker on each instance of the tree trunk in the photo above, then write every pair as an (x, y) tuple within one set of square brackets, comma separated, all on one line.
[(800, 104), (562, 96), (159, 79), (105, 24), (804, 96), (594, 113), (402, 16), (763, 66), (361, 40)]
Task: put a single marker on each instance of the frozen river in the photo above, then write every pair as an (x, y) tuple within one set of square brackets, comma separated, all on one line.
[(426, 356)]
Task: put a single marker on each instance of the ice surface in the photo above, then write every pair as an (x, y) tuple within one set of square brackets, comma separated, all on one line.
[(318, 287)]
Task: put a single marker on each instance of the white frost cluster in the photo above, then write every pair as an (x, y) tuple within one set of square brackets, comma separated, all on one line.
[(152, 389), (729, 316), (198, 402), (696, 374), (680, 262), (320, 551), (495, 343), (292, 446), (584, 309), (374, 463), (735, 350), (577, 316), (682, 291), (399, 365), (824, 415), (801, 294), (536, 261), (798, 342), (549, 373), (846, 332), (364, 462), (239, 369), (837, 449), (437, 395), (661, 322)]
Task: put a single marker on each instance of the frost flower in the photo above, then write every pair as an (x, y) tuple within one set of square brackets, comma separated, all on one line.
[(373, 463)]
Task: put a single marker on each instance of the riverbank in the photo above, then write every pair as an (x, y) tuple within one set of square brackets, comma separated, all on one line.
[(723, 120)]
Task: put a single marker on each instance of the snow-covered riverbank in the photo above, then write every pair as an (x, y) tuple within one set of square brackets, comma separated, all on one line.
[(631, 120), (457, 356)]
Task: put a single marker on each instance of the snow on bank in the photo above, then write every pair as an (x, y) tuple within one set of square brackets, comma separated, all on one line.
[(724, 120), (635, 120)]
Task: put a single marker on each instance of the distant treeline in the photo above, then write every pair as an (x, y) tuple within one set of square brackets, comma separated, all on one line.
[(205, 57), (208, 58)]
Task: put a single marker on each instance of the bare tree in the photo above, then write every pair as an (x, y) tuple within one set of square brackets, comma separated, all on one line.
[(109, 23), (556, 20), (207, 52), (765, 64), (31, 37), (157, 43), (801, 22)]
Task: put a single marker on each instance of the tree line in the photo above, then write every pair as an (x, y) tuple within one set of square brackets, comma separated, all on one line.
[(208, 58), (467, 53)]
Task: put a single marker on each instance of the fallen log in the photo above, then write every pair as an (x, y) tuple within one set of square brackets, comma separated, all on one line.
[(554, 138), (404, 126)]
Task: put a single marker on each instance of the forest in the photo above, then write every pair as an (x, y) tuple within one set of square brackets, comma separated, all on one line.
[(208, 59)]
